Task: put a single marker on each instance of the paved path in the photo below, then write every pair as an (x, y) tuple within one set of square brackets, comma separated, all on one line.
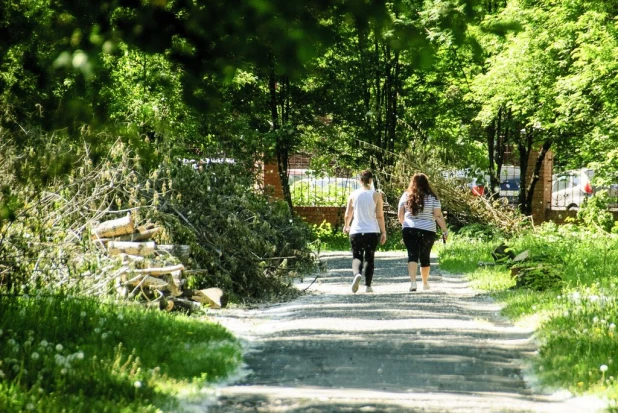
[(444, 350)]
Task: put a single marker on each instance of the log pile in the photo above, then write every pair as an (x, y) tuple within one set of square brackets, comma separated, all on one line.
[(150, 271)]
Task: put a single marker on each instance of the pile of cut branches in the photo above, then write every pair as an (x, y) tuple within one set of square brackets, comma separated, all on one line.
[(239, 242), (461, 207)]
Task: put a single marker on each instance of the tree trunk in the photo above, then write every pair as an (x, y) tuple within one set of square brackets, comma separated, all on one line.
[(281, 145)]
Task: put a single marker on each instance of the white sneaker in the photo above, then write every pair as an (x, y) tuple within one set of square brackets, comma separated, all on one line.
[(426, 287), (356, 282), (368, 289), (413, 286)]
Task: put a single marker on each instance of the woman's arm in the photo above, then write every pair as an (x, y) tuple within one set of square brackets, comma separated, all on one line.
[(377, 197), (401, 214), (347, 218), (437, 214)]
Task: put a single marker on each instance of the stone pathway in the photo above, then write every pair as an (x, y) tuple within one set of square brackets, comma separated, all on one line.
[(444, 350)]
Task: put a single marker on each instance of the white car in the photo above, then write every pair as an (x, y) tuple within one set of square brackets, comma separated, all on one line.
[(571, 188)]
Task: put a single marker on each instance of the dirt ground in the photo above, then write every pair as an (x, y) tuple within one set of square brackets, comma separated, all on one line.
[(442, 350)]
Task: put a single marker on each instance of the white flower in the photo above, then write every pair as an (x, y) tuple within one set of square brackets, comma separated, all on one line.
[(104, 336), (566, 314), (120, 317), (534, 307), (30, 406), (59, 347), (595, 320), (603, 368), (97, 330), (137, 384), (83, 314), (43, 343), (35, 356), (63, 371), (612, 326), (79, 355), (11, 342)]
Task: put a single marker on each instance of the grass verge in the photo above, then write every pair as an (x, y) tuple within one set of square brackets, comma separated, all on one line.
[(577, 316), (63, 354)]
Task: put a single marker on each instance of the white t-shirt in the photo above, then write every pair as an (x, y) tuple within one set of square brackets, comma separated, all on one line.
[(364, 220), (425, 219)]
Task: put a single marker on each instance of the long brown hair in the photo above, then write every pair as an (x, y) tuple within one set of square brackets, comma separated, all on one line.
[(418, 190)]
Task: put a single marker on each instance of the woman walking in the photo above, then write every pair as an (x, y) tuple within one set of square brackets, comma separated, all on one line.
[(419, 210), (365, 211)]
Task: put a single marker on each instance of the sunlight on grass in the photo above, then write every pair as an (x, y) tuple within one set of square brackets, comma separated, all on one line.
[(69, 354), (577, 317)]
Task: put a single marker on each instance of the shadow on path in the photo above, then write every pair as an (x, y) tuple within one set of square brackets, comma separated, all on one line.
[(446, 349)]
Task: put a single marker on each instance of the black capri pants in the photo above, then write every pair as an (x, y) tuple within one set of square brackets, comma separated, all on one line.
[(364, 248), (418, 243)]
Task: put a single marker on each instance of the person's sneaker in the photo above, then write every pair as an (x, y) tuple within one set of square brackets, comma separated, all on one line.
[(368, 289), (426, 287), (413, 286), (356, 282)]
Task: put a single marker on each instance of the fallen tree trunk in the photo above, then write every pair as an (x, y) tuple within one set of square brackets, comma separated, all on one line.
[(156, 271), (139, 236), (132, 248), (114, 227), (181, 252)]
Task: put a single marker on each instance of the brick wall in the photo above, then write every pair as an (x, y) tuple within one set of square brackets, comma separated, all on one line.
[(272, 181), (541, 198), (317, 215)]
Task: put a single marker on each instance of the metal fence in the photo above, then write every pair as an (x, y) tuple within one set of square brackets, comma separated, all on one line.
[(310, 189)]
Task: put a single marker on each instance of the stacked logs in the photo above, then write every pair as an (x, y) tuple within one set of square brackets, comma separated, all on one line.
[(151, 271)]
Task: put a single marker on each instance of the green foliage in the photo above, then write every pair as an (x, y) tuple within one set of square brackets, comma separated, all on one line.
[(595, 212), (241, 241), (59, 353)]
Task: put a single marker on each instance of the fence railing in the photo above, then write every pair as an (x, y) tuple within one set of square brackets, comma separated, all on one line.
[(309, 189)]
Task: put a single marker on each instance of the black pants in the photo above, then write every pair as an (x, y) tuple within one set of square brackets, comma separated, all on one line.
[(418, 243), (363, 251)]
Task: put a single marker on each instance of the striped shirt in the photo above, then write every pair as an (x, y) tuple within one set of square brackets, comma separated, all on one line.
[(423, 220)]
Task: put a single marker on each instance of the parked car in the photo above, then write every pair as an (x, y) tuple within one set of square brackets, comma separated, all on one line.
[(571, 188)]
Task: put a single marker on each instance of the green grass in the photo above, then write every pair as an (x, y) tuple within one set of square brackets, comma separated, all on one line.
[(68, 354), (577, 317)]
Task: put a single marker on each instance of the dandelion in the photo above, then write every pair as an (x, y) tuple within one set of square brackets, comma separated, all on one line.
[(79, 355), (104, 336), (137, 384), (30, 406), (603, 368), (120, 317), (59, 347), (43, 343), (534, 307), (63, 371), (566, 313), (595, 320), (97, 330), (35, 356), (612, 326), (11, 342), (83, 314)]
